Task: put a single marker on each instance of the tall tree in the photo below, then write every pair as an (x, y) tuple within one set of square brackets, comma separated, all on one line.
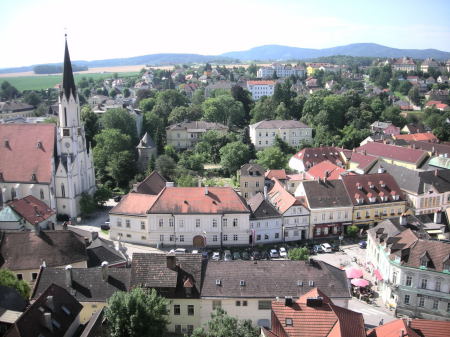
[(120, 119), (272, 158), (245, 97), (9, 279), (233, 156), (224, 109), (166, 166), (91, 124)]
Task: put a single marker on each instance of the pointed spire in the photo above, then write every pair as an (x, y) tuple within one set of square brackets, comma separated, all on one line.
[(68, 80)]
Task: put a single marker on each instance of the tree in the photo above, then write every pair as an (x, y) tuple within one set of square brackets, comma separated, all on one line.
[(120, 119), (404, 87), (414, 95), (186, 180), (183, 113), (126, 93), (352, 230), (113, 93), (392, 114), (91, 124), (224, 109), (102, 195), (32, 98), (165, 165), (245, 97), (263, 109), (198, 97), (222, 325), (136, 313), (352, 137), (87, 203), (9, 279), (8, 92), (41, 110), (299, 254), (210, 144), (121, 168), (233, 156), (272, 158)]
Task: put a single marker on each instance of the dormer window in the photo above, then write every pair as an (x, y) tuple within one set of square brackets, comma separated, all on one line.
[(218, 282), (370, 184), (424, 261), (6, 142), (289, 322), (371, 197), (242, 283), (382, 184), (33, 177), (358, 186), (446, 265)]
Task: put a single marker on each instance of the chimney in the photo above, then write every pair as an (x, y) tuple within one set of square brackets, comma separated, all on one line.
[(50, 303), (169, 184), (105, 270), (206, 190), (402, 333), (171, 262), (314, 302), (68, 276), (288, 301), (403, 221), (381, 169), (48, 320), (265, 192), (437, 217)]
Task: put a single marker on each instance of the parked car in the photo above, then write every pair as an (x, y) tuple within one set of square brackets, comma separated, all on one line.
[(236, 256), (215, 256), (274, 254), (227, 256), (317, 249), (283, 252), (265, 255), (194, 251), (178, 251), (326, 247), (335, 247), (106, 226), (117, 198), (363, 244), (245, 256), (256, 255)]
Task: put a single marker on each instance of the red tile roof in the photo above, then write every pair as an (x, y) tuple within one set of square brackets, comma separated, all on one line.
[(134, 204), (279, 174), (416, 328), (325, 169), (431, 103), (430, 328), (427, 136), (282, 199), (261, 82), (393, 152), (32, 209), (314, 155), (204, 200), (362, 160), (393, 329), (20, 154)]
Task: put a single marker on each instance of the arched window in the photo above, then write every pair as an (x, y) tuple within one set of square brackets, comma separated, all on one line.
[(41, 192), (63, 191), (13, 193)]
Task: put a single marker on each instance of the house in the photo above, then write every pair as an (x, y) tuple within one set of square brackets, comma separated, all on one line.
[(183, 216), (152, 184), (330, 207), (178, 278), (412, 328), (374, 196), (330, 84), (100, 250), (263, 133), (433, 148), (440, 162), (313, 314), (251, 180), (219, 85), (185, 135), (361, 163), (91, 287), (415, 128), (259, 89), (397, 155), (430, 81), (426, 192), (280, 70), (308, 157), (324, 169), (25, 252), (414, 270), (265, 221), (246, 289), (384, 127), (312, 83), (413, 79), (294, 211), (280, 174), (403, 64), (428, 64), (427, 136), (14, 109), (26, 214), (438, 95), (54, 313), (403, 105), (442, 79), (59, 165), (146, 150)]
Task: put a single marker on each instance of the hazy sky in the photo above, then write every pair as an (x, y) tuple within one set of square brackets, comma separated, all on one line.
[(32, 31)]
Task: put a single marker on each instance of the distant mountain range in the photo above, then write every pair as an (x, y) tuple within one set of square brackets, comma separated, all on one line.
[(262, 53)]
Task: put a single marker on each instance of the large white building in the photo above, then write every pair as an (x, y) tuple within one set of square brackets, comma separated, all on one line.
[(280, 70), (259, 89), (52, 163), (263, 133)]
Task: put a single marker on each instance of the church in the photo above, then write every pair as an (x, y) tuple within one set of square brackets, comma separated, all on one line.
[(52, 163)]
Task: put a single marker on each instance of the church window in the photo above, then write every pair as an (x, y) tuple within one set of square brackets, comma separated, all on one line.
[(66, 132), (13, 193), (41, 192), (63, 191), (65, 116)]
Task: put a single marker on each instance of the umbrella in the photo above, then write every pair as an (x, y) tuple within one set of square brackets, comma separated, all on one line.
[(354, 273), (359, 282)]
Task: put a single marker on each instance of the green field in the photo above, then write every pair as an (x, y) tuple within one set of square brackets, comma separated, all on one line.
[(49, 81)]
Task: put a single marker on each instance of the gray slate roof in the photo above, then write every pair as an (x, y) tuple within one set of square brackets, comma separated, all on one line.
[(268, 279), (255, 169), (279, 124), (261, 208), (101, 250), (324, 194), (197, 125)]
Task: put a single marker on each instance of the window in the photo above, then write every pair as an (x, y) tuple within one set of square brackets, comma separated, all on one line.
[(176, 309), (41, 192), (264, 305), (214, 238), (181, 238), (325, 231), (235, 237), (408, 280), (438, 285), (190, 329), (172, 238), (448, 307), (394, 278), (161, 238), (289, 322), (181, 223), (190, 309), (421, 302), (143, 225), (238, 303), (63, 192), (225, 237), (245, 195), (258, 224), (257, 184), (435, 304), (358, 215), (323, 216), (277, 235), (34, 276), (171, 222), (143, 237), (197, 223), (235, 222), (161, 222), (225, 220), (266, 237), (423, 285), (216, 304), (127, 223), (318, 231), (214, 223), (119, 222), (406, 300), (244, 303), (129, 236), (424, 261), (177, 328)]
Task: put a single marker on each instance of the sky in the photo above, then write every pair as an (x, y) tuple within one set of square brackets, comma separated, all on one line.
[(32, 31)]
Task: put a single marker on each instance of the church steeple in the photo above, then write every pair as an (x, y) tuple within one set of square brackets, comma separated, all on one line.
[(68, 80)]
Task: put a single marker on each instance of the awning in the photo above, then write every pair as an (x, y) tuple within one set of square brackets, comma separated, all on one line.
[(378, 275)]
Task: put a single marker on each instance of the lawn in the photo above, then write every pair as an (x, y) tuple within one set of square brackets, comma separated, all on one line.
[(49, 81)]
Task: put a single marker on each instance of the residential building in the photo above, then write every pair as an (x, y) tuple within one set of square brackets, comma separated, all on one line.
[(403, 64), (442, 79), (266, 223), (146, 150), (91, 287), (279, 174), (414, 270), (293, 132), (178, 278), (324, 170), (361, 163), (280, 70), (25, 252), (152, 184), (313, 67), (259, 89), (397, 155), (412, 328), (374, 196), (219, 85), (308, 157), (427, 136), (185, 135), (59, 165), (433, 148), (384, 127), (414, 128), (246, 289), (428, 64), (26, 214), (426, 192), (183, 216), (295, 214), (251, 180), (54, 313), (329, 205), (13, 109), (438, 95), (313, 314), (440, 162)]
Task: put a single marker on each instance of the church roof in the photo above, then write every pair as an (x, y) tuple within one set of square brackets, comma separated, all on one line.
[(68, 80), (146, 141), (26, 152)]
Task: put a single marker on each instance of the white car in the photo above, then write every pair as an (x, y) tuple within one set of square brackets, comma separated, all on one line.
[(283, 252), (326, 247), (215, 256), (178, 251), (274, 253)]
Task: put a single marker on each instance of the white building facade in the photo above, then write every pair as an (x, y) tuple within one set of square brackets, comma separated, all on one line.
[(280, 70), (259, 89)]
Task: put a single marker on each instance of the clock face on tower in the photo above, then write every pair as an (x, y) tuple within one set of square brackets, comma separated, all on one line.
[(67, 144)]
